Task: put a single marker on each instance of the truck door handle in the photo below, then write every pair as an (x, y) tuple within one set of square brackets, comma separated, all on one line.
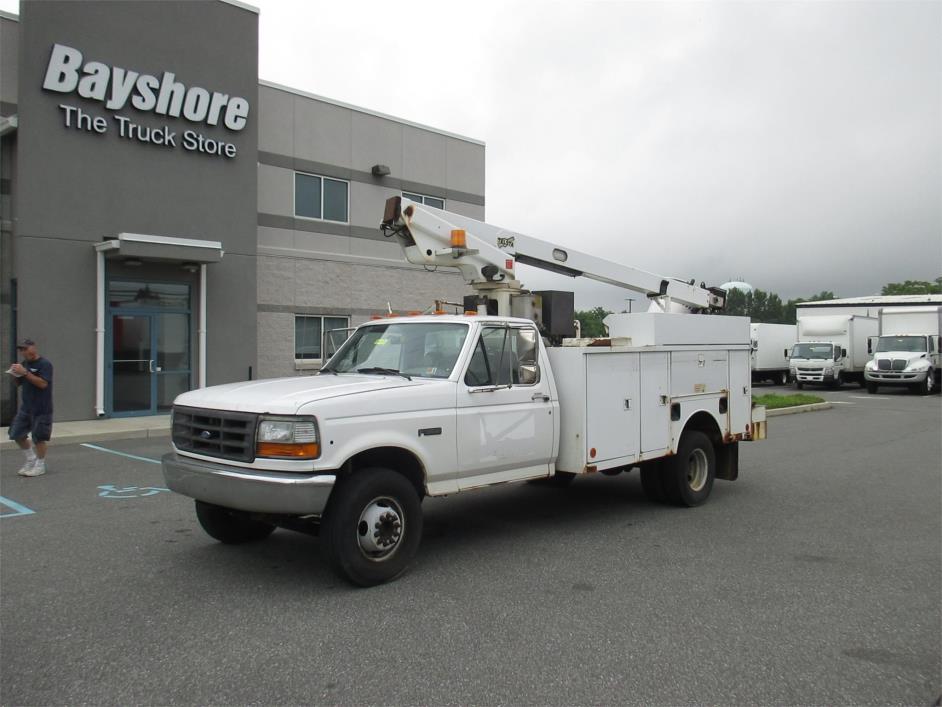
[(541, 397)]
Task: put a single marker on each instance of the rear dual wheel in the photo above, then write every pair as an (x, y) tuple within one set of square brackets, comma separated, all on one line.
[(686, 478)]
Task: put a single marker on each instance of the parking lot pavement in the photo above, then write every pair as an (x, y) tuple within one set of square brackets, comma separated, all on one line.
[(814, 579)]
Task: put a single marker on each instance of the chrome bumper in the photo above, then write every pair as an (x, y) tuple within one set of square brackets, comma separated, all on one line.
[(247, 489)]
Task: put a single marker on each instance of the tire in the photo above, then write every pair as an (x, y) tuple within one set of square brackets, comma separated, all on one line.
[(783, 378), (927, 386), (559, 480), (838, 381), (229, 526), (799, 385), (688, 476), (388, 502), (651, 482), (871, 387)]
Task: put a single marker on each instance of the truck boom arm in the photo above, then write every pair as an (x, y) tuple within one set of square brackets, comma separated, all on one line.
[(486, 254)]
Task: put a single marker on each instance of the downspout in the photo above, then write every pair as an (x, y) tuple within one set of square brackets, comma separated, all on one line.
[(201, 331), (100, 335)]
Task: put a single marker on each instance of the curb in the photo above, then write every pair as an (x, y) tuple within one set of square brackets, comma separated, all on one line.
[(79, 437), (795, 409)]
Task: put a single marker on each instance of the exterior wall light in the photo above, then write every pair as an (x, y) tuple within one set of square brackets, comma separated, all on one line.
[(380, 170), (133, 262), (190, 267)]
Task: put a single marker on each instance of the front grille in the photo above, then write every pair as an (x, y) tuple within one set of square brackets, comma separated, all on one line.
[(899, 364), (883, 364), (215, 433)]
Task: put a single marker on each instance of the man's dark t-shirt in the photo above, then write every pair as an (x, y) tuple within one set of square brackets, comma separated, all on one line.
[(37, 401)]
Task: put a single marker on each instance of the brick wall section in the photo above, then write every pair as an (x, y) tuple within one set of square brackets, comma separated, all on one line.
[(304, 285)]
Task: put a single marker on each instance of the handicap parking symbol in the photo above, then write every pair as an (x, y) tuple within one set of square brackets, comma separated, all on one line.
[(111, 491)]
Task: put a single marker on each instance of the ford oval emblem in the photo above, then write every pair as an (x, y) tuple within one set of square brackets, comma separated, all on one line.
[(206, 434)]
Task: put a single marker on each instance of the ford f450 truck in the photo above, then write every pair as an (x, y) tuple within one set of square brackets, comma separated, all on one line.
[(433, 405)]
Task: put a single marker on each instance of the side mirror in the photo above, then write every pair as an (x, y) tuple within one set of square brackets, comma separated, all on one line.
[(843, 353), (786, 353), (870, 346)]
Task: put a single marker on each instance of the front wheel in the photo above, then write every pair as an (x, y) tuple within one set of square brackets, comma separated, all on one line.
[(372, 526), (799, 385), (871, 387), (229, 526), (927, 386), (687, 477), (838, 381)]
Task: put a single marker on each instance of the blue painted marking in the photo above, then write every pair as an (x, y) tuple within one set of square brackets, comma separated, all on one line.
[(20, 509), (122, 454), (110, 491)]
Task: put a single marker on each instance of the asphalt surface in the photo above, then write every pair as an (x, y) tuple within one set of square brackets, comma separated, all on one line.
[(814, 579)]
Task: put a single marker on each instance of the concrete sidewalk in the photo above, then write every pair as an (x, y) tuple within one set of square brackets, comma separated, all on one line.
[(103, 429)]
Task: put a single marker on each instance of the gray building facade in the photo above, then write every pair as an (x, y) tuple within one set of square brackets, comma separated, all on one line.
[(169, 221)]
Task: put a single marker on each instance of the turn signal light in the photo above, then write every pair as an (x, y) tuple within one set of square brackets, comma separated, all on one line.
[(303, 450), (458, 238)]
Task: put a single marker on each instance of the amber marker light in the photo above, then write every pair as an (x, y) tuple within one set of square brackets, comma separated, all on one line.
[(309, 450), (458, 238)]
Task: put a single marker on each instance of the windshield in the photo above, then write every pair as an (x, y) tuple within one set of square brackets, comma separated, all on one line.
[(901, 343), (820, 351), (429, 350)]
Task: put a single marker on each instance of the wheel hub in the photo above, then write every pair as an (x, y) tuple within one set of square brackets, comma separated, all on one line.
[(697, 470), (379, 529)]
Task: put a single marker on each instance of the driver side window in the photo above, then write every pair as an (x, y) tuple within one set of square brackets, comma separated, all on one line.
[(504, 356)]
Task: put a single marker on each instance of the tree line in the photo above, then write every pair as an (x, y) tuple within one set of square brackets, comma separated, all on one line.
[(768, 307)]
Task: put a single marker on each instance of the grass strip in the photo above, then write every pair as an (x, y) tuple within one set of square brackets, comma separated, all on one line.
[(772, 401)]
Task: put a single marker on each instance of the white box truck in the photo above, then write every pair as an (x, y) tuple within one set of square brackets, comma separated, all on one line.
[(771, 349), (831, 349), (433, 405), (907, 352)]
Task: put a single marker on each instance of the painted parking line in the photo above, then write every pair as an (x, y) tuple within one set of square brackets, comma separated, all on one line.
[(121, 454), (18, 509)]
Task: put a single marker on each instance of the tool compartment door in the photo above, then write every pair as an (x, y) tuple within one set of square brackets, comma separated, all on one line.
[(612, 406), (740, 392), (655, 401)]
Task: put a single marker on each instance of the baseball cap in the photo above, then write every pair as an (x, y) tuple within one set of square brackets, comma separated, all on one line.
[(24, 343)]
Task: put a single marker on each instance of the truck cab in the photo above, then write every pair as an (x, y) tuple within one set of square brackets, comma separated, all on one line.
[(910, 360), (817, 362)]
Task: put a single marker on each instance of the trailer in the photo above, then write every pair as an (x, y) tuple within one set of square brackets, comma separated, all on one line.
[(771, 348)]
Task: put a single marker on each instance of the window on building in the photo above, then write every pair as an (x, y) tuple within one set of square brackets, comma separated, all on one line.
[(316, 336), (427, 200), (321, 197)]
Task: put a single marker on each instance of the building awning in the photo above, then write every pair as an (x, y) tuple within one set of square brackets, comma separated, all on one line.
[(178, 250)]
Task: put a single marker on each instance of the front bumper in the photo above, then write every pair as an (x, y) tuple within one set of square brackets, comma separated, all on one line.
[(248, 489), (895, 377), (813, 376)]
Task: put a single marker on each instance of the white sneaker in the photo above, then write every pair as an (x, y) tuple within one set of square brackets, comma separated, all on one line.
[(27, 467), (38, 469)]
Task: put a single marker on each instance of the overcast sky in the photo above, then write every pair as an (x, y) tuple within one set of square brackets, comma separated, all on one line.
[(795, 145)]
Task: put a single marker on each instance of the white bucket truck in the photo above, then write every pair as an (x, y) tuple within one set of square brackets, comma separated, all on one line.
[(420, 406), (907, 351), (831, 349), (771, 348)]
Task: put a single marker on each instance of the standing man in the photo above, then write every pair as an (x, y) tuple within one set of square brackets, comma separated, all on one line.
[(34, 417)]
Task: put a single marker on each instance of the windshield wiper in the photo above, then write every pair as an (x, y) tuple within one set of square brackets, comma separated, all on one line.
[(327, 370), (390, 371)]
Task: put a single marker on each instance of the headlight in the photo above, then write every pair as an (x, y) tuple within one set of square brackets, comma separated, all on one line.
[(870, 366), (919, 364), (828, 371), (287, 438)]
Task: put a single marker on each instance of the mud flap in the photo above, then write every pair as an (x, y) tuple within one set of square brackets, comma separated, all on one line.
[(727, 461)]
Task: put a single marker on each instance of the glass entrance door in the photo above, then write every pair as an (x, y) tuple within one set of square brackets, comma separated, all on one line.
[(149, 362), (132, 363)]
